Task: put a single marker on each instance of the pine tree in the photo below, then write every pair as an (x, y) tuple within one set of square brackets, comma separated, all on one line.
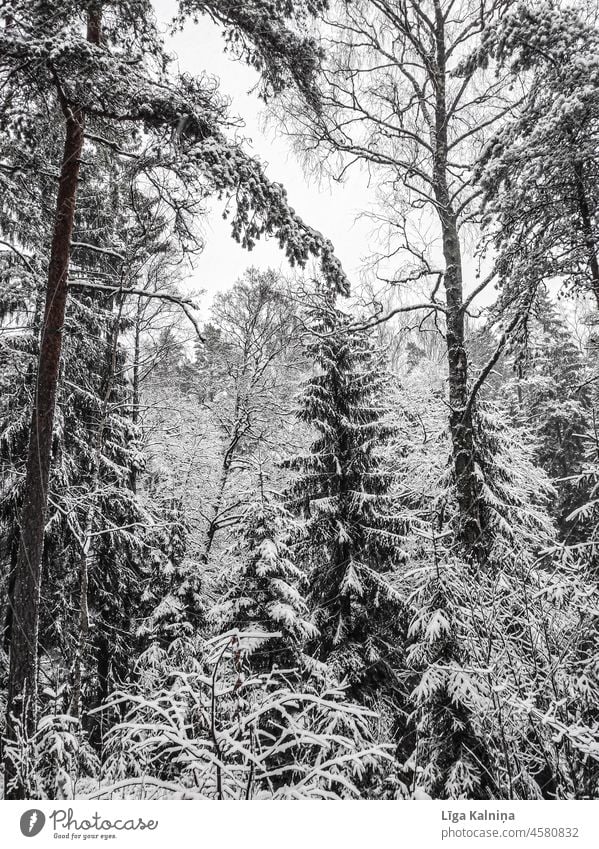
[(104, 71), (100, 537), (538, 173), (351, 537)]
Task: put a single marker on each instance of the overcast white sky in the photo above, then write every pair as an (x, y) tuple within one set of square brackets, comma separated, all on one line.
[(330, 209)]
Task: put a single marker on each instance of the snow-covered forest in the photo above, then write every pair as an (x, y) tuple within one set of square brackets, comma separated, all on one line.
[(313, 531)]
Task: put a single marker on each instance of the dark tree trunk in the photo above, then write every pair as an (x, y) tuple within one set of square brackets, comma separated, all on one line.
[(96, 722), (460, 416), (135, 388), (25, 598), (587, 228), (212, 528), (229, 456)]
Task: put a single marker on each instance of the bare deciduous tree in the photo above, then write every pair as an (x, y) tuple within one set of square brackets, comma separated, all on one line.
[(391, 101)]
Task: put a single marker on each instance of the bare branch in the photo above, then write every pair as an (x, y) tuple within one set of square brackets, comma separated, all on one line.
[(492, 362), (184, 303)]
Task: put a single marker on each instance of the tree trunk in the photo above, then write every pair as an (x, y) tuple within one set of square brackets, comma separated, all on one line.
[(228, 458), (216, 508), (135, 387), (460, 416), (587, 228), (87, 549), (25, 599)]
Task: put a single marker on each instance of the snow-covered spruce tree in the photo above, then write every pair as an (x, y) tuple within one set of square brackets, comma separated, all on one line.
[(350, 540), (486, 645), (552, 397), (172, 602), (442, 750), (263, 590)]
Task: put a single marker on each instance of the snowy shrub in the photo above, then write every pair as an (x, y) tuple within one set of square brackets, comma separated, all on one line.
[(213, 733), (54, 761)]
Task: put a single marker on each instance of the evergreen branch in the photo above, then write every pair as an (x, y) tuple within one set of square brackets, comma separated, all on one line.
[(21, 256)]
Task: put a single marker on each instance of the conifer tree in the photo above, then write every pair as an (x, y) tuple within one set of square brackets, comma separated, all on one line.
[(554, 402), (173, 604), (538, 173), (263, 591), (483, 643), (351, 536)]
